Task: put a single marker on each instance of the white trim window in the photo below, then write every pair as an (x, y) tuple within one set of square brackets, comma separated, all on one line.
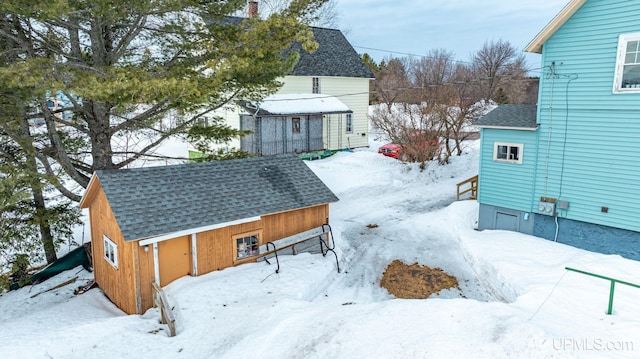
[(315, 85), (628, 64), (508, 152), (349, 123), (110, 251)]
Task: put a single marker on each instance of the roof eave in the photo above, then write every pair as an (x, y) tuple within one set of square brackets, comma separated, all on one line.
[(535, 46), (89, 191), (508, 128), (267, 113)]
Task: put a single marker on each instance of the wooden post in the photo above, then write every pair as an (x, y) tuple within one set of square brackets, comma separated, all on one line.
[(160, 300)]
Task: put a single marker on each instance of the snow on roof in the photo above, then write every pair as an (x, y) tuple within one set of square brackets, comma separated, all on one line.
[(296, 104)]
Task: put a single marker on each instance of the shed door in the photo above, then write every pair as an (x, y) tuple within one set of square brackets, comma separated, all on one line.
[(174, 259), (506, 221)]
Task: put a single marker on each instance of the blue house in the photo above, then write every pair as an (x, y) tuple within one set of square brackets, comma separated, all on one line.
[(568, 169)]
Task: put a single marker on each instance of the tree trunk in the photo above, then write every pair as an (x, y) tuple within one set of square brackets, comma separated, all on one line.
[(41, 212), (46, 236), (100, 133)]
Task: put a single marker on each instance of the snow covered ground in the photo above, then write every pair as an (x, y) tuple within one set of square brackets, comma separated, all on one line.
[(517, 299)]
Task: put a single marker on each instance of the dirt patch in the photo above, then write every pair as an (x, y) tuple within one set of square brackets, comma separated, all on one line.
[(415, 281)]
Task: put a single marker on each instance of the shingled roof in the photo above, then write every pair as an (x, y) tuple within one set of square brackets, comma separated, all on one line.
[(153, 201), (334, 57), (510, 116)]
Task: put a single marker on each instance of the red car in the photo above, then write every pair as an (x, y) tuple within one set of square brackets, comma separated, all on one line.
[(420, 143), (391, 150)]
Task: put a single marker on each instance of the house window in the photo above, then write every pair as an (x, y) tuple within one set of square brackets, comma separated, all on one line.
[(508, 152), (315, 85), (202, 121), (349, 123), (247, 245), (628, 64), (110, 251), (295, 124)]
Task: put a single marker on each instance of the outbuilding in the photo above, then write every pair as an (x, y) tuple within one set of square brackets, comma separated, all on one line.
[(158, 224)]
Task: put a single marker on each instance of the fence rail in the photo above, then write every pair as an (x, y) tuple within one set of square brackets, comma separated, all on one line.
[(473, 188), (160, 300), (612, 287)]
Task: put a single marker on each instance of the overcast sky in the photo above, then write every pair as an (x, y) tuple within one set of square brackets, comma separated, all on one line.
[(402, 27)]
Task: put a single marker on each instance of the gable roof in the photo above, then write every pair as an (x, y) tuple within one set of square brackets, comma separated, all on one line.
[(297, 104), (535, 45), (519, 117), (154, 201), (334, 57)]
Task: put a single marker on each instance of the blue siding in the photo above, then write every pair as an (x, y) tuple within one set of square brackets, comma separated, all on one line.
[(502, 184), (588, 136)]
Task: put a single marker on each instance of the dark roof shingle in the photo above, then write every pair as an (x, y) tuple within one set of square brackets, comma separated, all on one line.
[(334, 57), (510, 116), (153, 201)]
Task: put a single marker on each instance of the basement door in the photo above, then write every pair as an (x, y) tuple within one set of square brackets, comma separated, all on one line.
[(174, 259), (506, 221)]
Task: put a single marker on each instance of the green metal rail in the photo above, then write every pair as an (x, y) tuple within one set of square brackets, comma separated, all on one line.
[(613, 284)]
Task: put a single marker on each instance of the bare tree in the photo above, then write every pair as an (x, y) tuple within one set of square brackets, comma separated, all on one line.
[(494, 64), (436, 68), (465, 106), (410, 126)]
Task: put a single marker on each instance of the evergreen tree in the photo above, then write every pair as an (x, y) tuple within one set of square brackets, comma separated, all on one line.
[(101, 70), (121, 67), (30, 223), (501, 96)]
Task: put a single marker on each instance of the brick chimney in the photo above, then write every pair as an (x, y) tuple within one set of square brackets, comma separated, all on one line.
[(253, 9)]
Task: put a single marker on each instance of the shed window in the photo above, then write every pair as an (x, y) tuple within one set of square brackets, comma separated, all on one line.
[(508, 152), (110, 251), (247, 245), (295, 124), (315, 85), (349, 123), (628, 64)]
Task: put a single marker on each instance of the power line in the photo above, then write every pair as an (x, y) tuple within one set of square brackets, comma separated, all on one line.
[(405, 53), (426, 56)]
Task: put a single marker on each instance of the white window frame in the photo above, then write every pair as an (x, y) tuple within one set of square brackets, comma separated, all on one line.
[(110, 251), (315, 85), (618, 84), (509, 145), (349, 123)]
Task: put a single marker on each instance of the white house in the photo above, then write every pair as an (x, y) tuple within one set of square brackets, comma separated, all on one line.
[(334, 71)]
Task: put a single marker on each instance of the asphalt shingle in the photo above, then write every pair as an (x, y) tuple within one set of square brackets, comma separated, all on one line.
[(334, 57), (153, 201), (510, 116)]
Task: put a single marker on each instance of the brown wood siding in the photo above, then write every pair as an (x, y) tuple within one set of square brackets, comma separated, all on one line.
[(216, 248), (118, 284), (285, 224)]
